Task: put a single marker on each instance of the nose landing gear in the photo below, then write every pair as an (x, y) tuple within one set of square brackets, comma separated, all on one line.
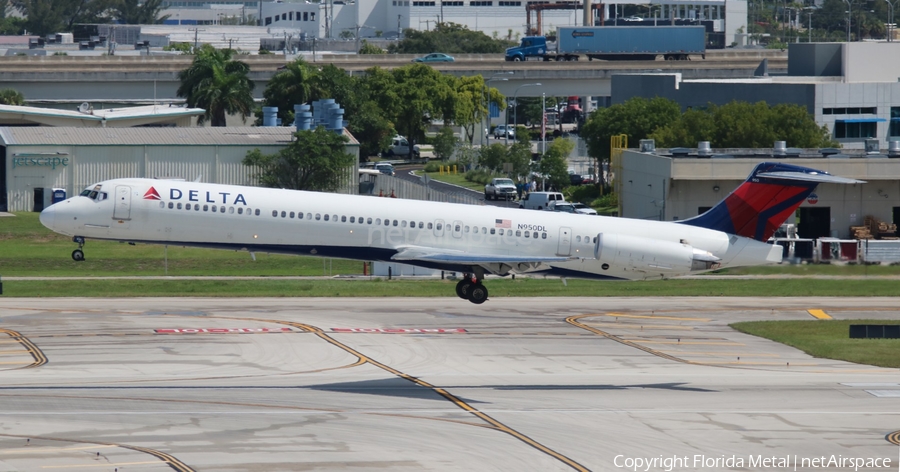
[(78, 254), (470, 288)]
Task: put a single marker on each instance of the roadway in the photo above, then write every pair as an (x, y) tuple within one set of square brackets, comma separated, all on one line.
[(113, 80), (430, 384)]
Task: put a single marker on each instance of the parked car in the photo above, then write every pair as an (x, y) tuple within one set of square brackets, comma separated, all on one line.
[(502, 130), (575, 179), (540, 200), (385, 168), (584, 209), (564, 207), (434, 57), (500, 188), (400, 147), (632, 18)]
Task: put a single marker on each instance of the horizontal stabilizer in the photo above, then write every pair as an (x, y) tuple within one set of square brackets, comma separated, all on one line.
[(809, 177)]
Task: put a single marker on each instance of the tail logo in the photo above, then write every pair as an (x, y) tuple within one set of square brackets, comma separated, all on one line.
[(812, 198), (152, 194)]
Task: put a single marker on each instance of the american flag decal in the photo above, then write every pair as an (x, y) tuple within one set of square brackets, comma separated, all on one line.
[(502, 223)]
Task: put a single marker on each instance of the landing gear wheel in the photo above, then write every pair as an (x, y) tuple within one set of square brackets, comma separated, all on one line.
[(78, 255), (478, 293), (463, 287)]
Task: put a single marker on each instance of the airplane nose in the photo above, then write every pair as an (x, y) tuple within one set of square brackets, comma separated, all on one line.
[(47, 216)]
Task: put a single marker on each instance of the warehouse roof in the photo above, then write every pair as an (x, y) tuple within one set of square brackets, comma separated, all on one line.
[(148, 136), (87, 116)]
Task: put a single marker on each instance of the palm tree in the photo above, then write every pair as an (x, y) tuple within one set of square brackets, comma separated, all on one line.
[(217, 84), (295, 84)]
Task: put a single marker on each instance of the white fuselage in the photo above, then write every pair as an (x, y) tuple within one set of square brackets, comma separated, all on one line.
[(371, 228)]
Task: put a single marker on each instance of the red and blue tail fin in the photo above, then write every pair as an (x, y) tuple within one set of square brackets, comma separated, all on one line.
[(765, 200)]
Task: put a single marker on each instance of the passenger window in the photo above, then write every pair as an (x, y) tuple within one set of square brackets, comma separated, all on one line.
[(230, 210), (543, 235), (420, 225), (197, 207), (577, 239), (387, 222), (343, 219), (518, 233), (467, 229), (274, 212), (205, 207), (162, 204), (291, 214), (395, 222), (283, 214), (309, 216), (457, 228), (222, 209), (403, 224), (240, 211), (501, 232), (493, 231), (369, 220), (475, 229), (361, 220), (256, 212), (178, 207), (171, 205), (187, 206), (326, 217), (334, 218), (319, 216), (440, 227), (535, 235), (377, 221), (299, 215), (594, 240), (430, 225), (213, 208), (353, 219), (526, 234), (412, 224)]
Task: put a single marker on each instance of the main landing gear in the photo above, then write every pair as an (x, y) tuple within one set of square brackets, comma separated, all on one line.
[(470, 288), (78, 254)]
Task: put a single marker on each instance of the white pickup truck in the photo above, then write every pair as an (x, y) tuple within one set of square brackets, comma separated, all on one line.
[(500, 188)]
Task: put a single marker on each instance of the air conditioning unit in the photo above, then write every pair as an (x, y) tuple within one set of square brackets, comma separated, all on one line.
[(648, 145), (872, 146)]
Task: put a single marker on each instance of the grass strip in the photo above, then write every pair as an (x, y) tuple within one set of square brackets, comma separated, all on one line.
[(378, 287), (829, 339)]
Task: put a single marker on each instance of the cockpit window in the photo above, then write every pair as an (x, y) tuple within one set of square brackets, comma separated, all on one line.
[(84, 192), (93, 194)]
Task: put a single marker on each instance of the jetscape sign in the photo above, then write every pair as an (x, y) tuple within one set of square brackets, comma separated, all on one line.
[(221, 330), (400, 330), (39, 161)]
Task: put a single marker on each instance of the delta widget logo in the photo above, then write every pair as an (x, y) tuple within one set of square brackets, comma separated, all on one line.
[(152, 194)]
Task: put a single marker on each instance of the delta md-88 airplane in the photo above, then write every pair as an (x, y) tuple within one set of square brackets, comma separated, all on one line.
[(473, 240)]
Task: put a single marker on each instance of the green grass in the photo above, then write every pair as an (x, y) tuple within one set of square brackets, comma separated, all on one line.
[(379, 287), (29, 249), (829, 339), (455, 179)]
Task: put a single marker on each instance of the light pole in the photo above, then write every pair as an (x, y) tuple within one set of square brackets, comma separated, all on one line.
[(891, 26), (485, 95), (515, 96), (849, 12)]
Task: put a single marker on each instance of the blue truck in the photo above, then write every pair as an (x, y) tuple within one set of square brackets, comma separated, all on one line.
[(613, 43)]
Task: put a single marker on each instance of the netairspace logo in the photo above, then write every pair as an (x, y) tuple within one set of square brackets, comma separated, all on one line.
[(786, 462)]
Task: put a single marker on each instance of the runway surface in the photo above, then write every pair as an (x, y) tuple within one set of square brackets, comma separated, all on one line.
[(433, 384)]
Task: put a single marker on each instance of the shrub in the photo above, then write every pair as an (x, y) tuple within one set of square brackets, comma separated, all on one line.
[(432, 166), (480, 176)]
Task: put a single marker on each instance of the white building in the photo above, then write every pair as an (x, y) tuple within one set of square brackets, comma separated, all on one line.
[(496, 18)]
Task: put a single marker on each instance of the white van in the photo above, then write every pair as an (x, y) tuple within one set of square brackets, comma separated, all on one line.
[(540, 200)]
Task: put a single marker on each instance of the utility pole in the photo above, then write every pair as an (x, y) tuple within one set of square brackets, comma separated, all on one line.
[(400, 31)]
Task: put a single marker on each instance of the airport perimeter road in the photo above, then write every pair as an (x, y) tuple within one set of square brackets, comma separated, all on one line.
[(533, 384)]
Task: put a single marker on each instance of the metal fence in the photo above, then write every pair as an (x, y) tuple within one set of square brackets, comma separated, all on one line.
[(388, 186)]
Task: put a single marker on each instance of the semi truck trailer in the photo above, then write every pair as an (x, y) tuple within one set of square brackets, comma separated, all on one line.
[(613, 43)]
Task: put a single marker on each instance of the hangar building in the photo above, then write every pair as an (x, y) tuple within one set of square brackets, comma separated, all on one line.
[(676, 184), (35, 160)]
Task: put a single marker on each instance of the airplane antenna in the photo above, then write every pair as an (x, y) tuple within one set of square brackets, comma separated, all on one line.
[(198, 178)]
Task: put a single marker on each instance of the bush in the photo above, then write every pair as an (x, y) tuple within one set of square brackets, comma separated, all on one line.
[(582, 193), (480, 176), (432, 166)]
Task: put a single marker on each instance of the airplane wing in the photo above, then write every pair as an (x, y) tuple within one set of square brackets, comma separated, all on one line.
[(495, 263), (808, 177)]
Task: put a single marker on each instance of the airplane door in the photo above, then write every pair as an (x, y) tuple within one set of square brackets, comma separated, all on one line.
[(438, 228), (565, 242), (457, 229), (122, 209)]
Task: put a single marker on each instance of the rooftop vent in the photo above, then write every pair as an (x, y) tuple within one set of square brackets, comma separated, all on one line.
[(872, 146), (894, 148), (792, 152), (780, 148), (648, 145), (827, 152), (703, 149), (680, 152)]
